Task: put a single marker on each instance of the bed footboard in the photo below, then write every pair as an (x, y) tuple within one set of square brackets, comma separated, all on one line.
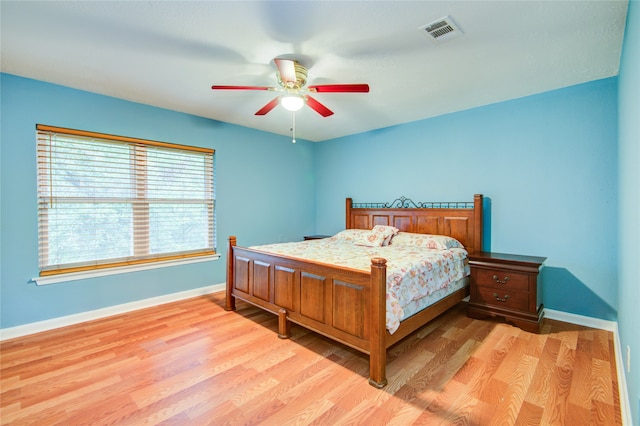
[(343, 304)]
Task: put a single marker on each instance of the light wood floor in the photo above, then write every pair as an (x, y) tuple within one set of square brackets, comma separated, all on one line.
[(192, 363)]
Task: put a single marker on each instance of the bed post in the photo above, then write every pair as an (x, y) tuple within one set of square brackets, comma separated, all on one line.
[(477, 222), (348, 214), (230, 301), (284, 328), (377, 344)]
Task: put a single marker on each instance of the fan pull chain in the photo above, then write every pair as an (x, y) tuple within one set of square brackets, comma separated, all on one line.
[(293, 126)]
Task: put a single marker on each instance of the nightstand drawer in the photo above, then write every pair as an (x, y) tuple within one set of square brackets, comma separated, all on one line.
[(502, 279), (503, 298)]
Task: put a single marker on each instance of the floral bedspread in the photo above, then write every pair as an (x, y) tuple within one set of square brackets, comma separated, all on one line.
[(413, 272)]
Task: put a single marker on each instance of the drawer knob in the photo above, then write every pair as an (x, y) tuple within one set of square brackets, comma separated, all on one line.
[(501, 299), (501, 281)]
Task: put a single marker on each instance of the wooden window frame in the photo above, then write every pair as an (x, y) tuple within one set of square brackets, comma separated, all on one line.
[(139, 208)]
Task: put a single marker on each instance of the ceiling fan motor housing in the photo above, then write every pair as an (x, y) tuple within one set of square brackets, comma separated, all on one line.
[(301, 78)]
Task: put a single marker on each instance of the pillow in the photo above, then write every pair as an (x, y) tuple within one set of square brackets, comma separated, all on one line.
[(394, 232), (378, 236), (351, 235), (437, 242)]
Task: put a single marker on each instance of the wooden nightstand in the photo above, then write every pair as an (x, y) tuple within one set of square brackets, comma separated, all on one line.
[(508, 286)]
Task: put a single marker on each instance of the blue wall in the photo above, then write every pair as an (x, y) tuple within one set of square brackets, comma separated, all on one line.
[(255, 172), (546, 163), (629, 206)]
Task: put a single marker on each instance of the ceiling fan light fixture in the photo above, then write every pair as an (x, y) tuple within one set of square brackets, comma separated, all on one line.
[(292, 102)]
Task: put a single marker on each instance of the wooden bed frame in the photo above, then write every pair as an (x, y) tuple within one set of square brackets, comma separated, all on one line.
[(345, 304)]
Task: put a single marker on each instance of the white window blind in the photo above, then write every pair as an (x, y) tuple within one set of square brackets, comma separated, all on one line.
[(106, 200)]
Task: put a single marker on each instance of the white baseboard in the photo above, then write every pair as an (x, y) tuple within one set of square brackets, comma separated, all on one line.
[(37, 327), (612, 326), (580, 320)]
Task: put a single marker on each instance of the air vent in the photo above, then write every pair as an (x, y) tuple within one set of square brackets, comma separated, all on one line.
[(442, 29)]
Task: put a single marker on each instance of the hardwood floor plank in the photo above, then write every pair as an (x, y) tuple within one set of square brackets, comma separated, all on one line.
[(529, 415), (578, 415), (558, 400), (45, 411), (110, 411), (300, 411), (206, 413), (400, 373), (288, 392), (389, 403), (518, 382), (36, 392), (460, 409), (538, 393), (471, 368), (581, 386), (440, 402), (187, 401), (601, 381), (353, 399), (535, 344), (602, 414), (191, 362), (601, 344), (349, 391), (333, 416)]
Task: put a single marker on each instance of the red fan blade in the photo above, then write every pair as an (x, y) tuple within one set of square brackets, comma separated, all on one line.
[(318, 107), (342, 88), (241, 88), (287, 70), (268, 107)]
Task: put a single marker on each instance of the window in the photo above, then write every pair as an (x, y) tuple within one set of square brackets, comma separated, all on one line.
[(106, 201)]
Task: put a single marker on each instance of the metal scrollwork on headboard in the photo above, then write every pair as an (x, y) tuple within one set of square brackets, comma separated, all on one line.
[(407, 203)]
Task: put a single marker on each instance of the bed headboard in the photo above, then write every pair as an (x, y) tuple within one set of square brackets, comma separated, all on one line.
[(460, 220)]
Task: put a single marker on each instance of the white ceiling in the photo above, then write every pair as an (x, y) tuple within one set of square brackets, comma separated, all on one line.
[(168, 54)]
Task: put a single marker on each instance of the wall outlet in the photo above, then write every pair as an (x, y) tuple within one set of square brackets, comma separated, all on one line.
[(628, 359)]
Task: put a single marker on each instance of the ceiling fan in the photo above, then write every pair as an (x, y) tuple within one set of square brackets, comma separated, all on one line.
[(292, 77)]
